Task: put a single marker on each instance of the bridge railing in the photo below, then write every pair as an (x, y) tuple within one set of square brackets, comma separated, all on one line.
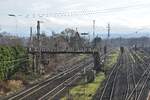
[(87, 49)]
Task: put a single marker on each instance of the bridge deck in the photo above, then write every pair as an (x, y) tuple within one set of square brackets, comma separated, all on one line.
[(57, 51)]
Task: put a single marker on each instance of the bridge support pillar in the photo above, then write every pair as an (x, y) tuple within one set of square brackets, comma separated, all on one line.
[(97, 62), (34, 63), (37, 67)]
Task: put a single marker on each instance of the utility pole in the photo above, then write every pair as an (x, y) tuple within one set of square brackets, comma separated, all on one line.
[(94, 34), (107, 40), (108, 30), (31, 38), (136, 39), (30, 30), (76, 40), (93, 29), (33, 66), (108, 35), (38, 32), (39, 67)]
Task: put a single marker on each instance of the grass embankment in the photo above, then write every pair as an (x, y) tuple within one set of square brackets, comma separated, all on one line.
[(87, 91), (111, 59), (83, 56)]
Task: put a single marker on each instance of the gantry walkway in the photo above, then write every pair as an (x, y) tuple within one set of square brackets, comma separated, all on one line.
[(63, 51)]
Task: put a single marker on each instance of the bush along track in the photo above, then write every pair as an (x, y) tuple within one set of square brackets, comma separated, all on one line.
[(87, 91), (12, 60)]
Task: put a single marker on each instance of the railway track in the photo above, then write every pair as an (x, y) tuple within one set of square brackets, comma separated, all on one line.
[(131, 82), (54, 94), (122, 83), (37, 91), (140, 87), (138, 65), (119, 86), (128, 79), (109, 87), (52, 86)]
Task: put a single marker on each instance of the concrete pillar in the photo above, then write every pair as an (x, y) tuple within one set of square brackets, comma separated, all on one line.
[(97, 65), (34, 64)]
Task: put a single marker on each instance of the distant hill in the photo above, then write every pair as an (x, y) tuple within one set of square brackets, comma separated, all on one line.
[(124, 35)]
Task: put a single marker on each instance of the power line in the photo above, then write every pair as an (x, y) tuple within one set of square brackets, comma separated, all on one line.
[(83, 12)]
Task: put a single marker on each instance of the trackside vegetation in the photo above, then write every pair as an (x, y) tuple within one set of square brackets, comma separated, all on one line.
[(12, 58), (111, 59), (86, 91)]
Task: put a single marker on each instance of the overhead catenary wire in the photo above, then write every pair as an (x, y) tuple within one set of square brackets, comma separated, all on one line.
[(82, 12)]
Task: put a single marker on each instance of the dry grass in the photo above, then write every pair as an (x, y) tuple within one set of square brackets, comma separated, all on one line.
[(10, 86), (15, 84)]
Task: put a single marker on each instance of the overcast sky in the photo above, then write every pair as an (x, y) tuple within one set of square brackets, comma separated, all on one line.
[(124, 16)]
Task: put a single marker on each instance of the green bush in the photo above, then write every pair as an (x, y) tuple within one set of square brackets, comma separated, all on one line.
[(11, 59)]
